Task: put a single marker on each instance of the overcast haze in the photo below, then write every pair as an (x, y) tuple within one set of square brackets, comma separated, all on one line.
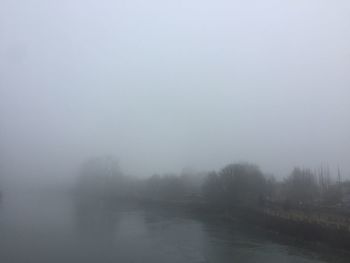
[(164, 85)]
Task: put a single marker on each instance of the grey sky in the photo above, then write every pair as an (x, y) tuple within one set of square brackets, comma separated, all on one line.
[(170, 84)]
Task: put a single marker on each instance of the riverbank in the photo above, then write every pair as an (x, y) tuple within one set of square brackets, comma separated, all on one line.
[(316, 225), (331, 227)]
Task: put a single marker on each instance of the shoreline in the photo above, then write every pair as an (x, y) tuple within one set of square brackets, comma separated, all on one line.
[(293, 223)]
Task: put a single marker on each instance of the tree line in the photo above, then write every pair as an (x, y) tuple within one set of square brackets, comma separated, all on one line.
[(242, 184)]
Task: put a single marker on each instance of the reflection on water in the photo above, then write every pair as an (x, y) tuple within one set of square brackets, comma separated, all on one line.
[(47, 228)]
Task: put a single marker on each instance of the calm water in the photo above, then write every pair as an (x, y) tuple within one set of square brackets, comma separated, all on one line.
[(51, 228)]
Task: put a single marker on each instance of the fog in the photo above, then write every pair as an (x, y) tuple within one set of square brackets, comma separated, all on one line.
[(174, 131), (167, 85)]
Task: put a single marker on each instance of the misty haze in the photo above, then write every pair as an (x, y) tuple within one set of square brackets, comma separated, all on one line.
[(174, 131)]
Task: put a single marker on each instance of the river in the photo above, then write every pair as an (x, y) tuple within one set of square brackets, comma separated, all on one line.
[(50, 227)]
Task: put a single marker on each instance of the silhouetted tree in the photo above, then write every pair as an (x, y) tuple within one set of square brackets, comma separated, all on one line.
[(236, 184), (168, 187), (271, 188), (101, 176), (301, 186), (212, 188)]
